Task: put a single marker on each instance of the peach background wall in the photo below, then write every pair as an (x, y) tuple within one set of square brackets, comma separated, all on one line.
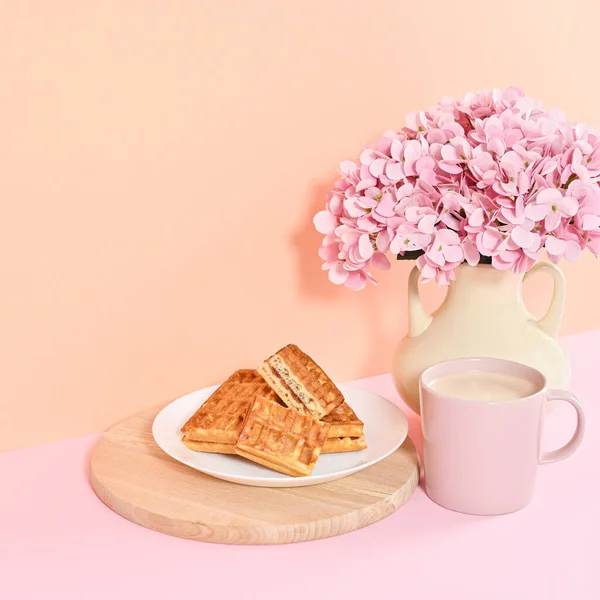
[(160, 162)]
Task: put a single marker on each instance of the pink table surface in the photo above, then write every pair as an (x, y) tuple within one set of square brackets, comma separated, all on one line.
[(57, 540)]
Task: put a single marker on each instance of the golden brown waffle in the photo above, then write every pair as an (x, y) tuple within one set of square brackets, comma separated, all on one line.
[(281, 439), (300, 382), (343, 422), (344, 444), (332, 445), (213, 447), (220, 418)]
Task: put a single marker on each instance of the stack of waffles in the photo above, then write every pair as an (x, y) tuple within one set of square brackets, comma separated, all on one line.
[(283, 415)]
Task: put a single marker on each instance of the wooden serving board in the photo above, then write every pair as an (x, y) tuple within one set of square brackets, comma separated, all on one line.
[(137, 480)]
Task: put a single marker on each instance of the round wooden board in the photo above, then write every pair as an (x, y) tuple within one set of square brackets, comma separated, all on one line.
[(137, 480)]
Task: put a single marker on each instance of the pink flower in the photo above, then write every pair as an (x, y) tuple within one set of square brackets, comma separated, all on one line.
[(409, 241), (380, 261), (592, 241), (526, 159), (527, 243), (423, 218), (483, 167), (383, 239), (475, 220), (491, 175), (588, 198), (515, 260), (512, 211), (445, 250), (489, 241), (592, 161), (524, 238), (410, 159), (510, 255), (469, 248), (417, 121), (325, 222), (513, 180), (582, 160), (565, 245), (450, 206), (356, 280), (430, 271), (457, 152), (552, 206)]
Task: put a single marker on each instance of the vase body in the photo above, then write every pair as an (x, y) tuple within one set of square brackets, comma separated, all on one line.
[(483, 315)]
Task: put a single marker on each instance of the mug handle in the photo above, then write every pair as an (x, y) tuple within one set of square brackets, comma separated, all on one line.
[(575, 441)]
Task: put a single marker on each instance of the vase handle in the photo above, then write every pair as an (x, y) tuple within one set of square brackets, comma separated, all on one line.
[(550, 322), (418, 319)]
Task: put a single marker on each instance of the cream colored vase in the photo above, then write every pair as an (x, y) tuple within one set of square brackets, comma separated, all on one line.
[(483, 315)]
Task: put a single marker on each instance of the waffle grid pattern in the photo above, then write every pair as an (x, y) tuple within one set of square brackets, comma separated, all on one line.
[(220, 418), (289, 441), (310, 375), (344, 422)]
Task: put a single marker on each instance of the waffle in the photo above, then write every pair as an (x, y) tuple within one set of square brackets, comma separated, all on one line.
[(343, 422), (214, 447), (282, 439), (332, 445), (219, 420), (300, 382), (344, 444)]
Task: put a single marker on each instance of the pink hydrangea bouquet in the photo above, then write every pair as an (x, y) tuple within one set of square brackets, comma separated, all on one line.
[(492, 179)]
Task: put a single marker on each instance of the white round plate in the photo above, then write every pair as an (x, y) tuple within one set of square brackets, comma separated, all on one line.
[(386, 428)]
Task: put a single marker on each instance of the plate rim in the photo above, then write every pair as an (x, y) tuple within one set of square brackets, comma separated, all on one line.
[(293, 481)]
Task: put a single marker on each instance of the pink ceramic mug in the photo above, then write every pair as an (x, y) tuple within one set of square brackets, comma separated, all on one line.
[(481, 457)]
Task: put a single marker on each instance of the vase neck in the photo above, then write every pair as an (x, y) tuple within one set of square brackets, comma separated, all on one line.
[(484, 284)]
